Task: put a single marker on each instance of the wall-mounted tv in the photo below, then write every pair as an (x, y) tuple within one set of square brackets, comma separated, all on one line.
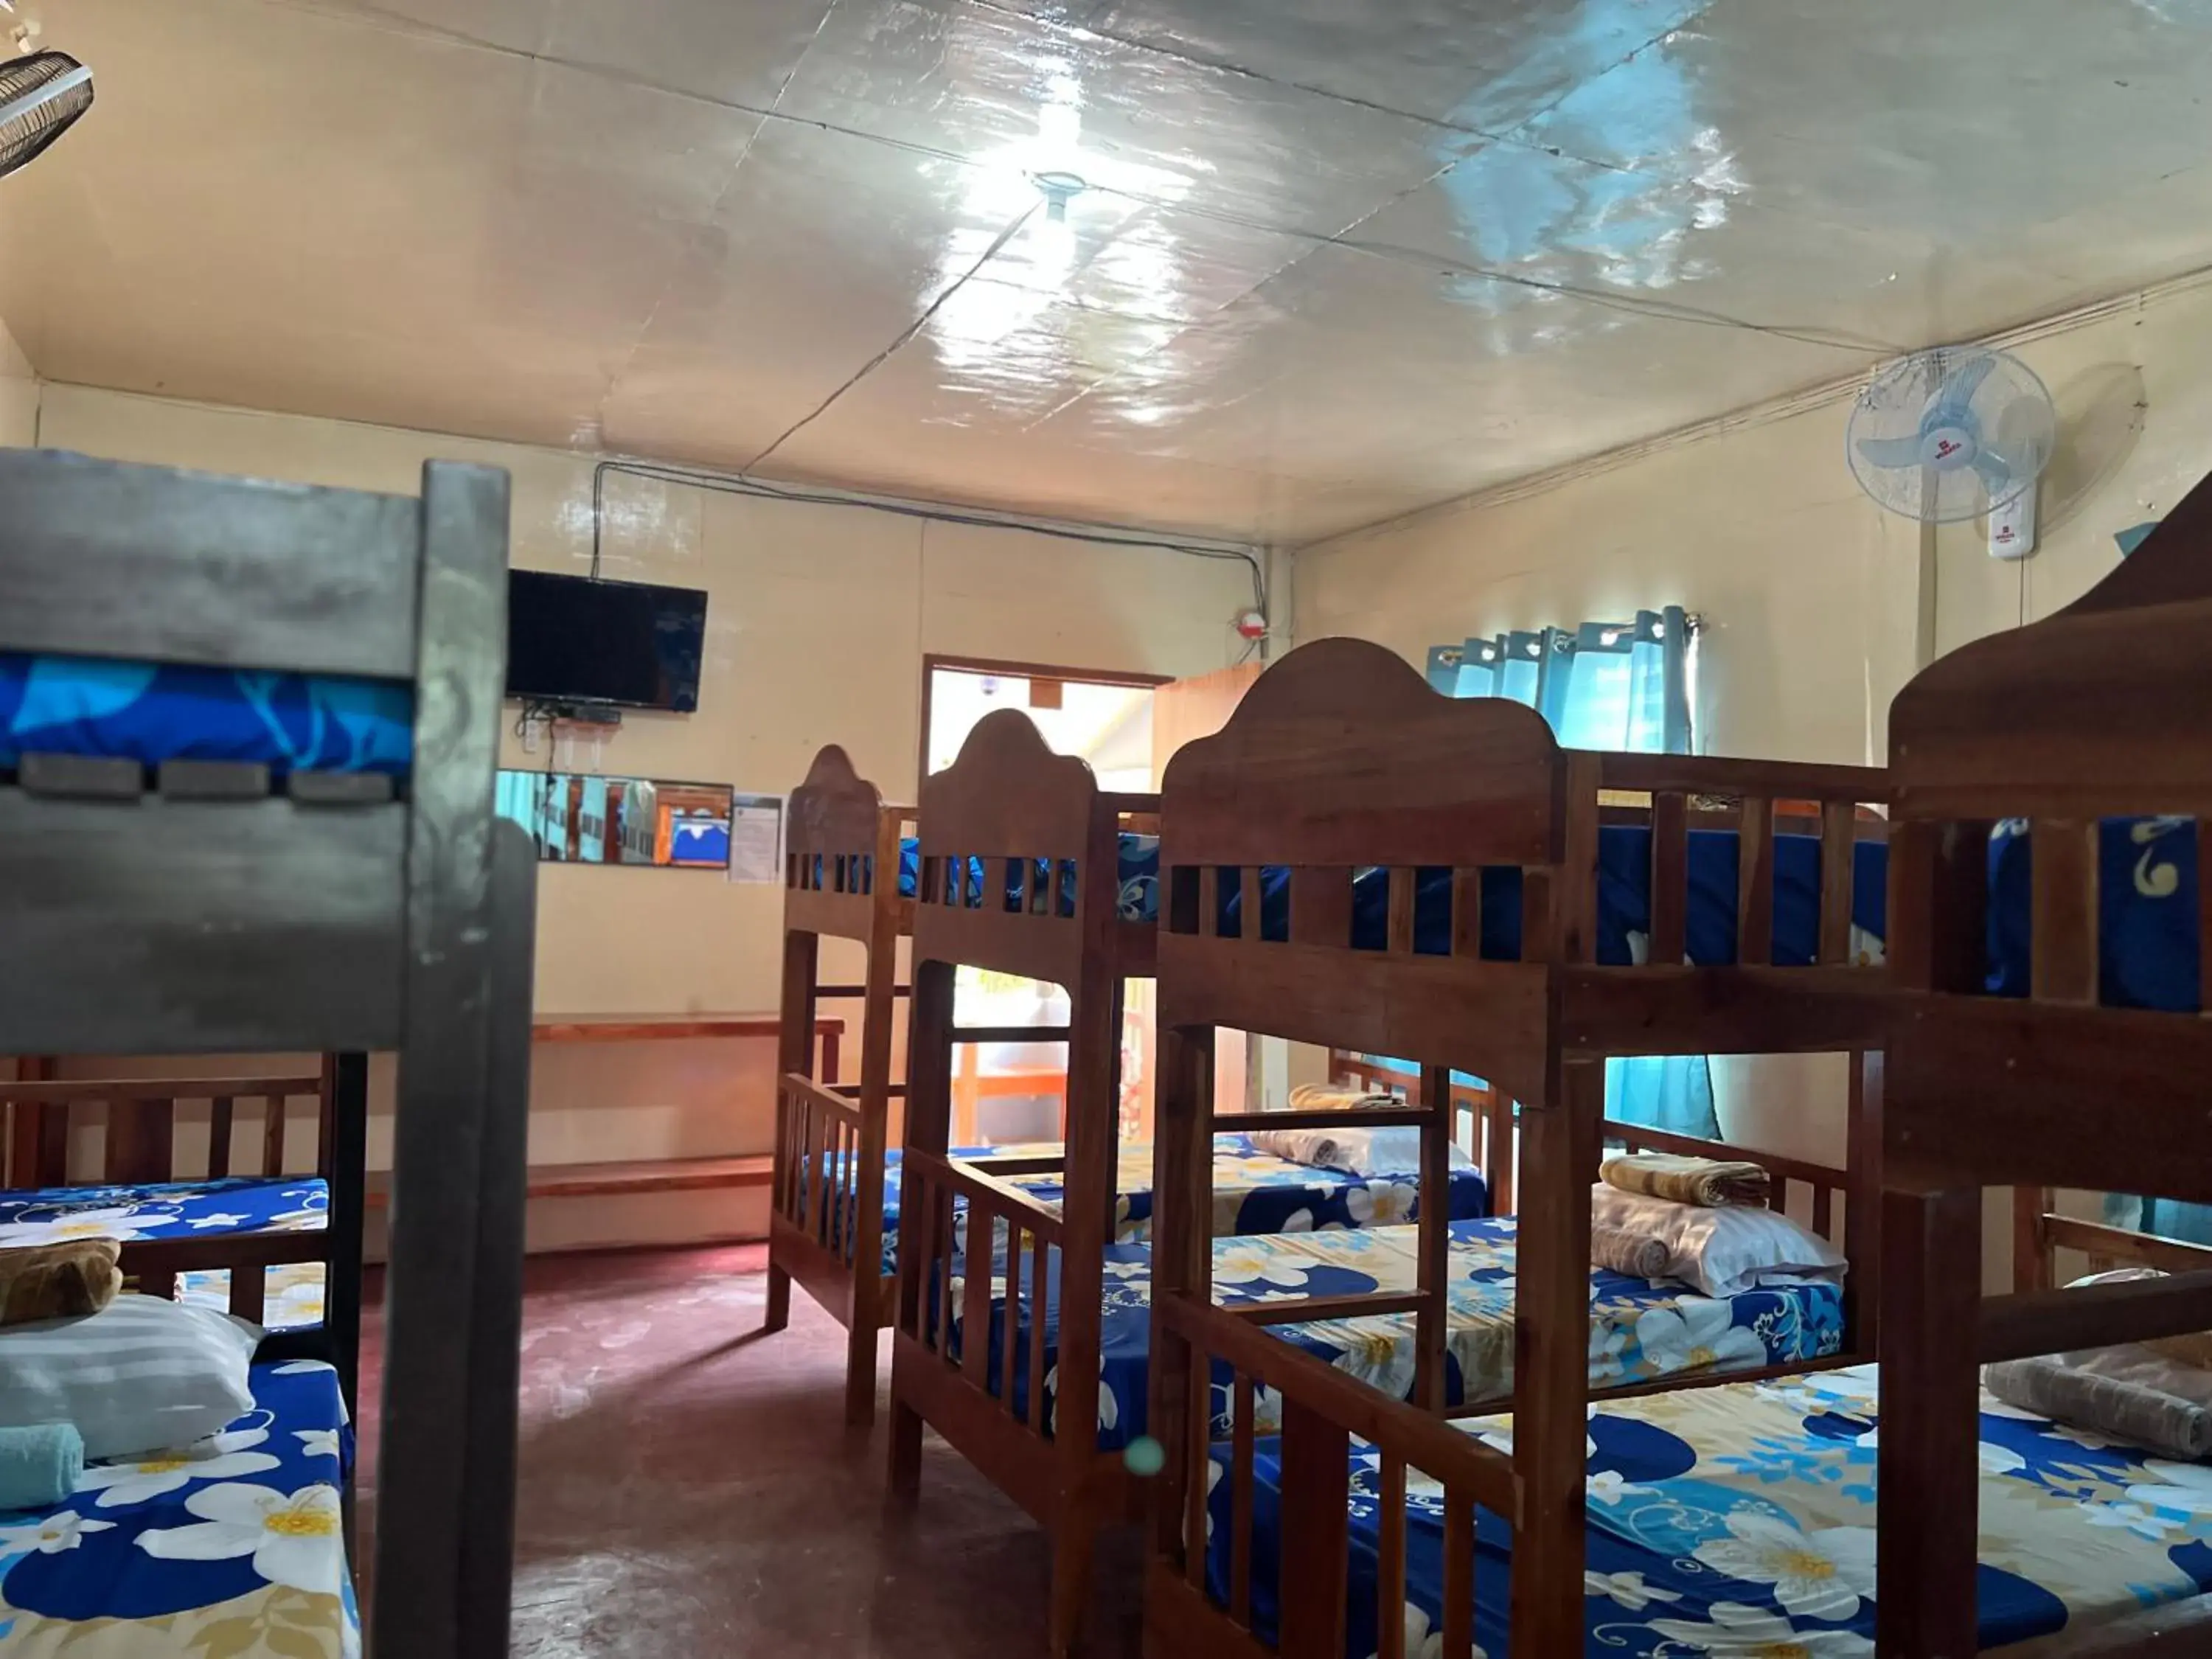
[(571, 639)]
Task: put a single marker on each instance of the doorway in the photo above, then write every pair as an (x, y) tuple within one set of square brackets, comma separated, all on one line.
[(1014, 1093)]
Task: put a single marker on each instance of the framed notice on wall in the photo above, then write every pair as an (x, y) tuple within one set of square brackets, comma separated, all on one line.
[(757, 839)]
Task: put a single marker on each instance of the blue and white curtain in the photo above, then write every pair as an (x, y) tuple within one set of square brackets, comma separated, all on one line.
[(1622, 686)]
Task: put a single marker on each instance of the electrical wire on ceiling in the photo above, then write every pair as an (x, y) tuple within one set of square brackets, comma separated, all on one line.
[(736, 484)]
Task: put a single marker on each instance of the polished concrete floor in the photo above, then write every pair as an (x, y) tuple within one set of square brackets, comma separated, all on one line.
[(688, 1488)]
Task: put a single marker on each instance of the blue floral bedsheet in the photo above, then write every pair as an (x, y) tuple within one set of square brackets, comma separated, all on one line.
[(1640, 1330), (154, 712), (1740, 1520), (180, 1209), (1253, 1191), (292, 1292), (236, 1550)]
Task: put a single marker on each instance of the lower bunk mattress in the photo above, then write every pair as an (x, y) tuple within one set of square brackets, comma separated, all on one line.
[(234, 1549), (1641, 1330), (1253, 1191), (292, 1295), (1740, 1520)]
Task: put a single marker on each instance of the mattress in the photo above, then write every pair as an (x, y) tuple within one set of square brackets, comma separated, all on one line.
[(179, 1209), (1740, 1520), (1640, 1330), (154, 712), (239, 1553), (292, 1293), (1253, 1191)]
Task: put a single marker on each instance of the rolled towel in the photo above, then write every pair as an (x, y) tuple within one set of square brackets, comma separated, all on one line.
[(1312, 1098), (2112, 1394), (58, 1281), (1706, 1181), (39, 1467), (1639, 1255)]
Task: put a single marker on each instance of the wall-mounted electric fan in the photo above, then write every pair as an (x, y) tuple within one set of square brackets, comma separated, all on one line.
[(1954, 433), (40, 97)]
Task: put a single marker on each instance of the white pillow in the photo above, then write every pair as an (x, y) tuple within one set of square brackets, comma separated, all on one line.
[(1363, 1152), (142, 1375), (1723, 1251)]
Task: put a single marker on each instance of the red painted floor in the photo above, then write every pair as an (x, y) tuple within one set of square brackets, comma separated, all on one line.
[(688, 1488)]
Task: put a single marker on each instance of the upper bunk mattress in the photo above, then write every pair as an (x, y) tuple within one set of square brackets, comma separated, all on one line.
[(153, 713), (2147, 875)]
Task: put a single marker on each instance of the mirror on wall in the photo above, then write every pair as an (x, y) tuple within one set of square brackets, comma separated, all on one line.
[(582, 819)]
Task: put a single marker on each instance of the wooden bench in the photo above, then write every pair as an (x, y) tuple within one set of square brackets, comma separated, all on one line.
[(650, 1174)]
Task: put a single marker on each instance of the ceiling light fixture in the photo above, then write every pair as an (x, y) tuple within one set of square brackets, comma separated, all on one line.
[(1060, 189)]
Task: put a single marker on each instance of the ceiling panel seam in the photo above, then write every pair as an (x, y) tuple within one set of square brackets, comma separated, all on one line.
[(904, 335), (614, 379)]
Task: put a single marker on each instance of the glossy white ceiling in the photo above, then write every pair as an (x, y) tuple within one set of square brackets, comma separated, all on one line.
[(1337, 259)]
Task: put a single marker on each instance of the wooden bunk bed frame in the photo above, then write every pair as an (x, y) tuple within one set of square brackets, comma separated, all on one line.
[(2094, 713), (1342, 758), (1011, 802), (826, 1194), (199, 911), (140, 1146)]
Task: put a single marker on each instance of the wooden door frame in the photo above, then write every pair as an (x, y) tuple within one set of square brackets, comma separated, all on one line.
[(954, 663)]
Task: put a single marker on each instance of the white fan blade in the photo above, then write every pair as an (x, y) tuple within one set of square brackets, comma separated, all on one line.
[(1959, 385), (1891, 452)]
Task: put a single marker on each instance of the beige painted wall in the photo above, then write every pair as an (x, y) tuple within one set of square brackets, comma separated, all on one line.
[(1812, 598), (817, 621), (19, 395)]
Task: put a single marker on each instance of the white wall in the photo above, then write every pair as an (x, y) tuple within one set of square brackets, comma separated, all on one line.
[(817, 620), (19, 395)]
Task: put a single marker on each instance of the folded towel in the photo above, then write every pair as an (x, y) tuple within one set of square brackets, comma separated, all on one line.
[(1702, 1181), (39, 1467), (1639, 1255), (2125, 1392), (58, 1281), (1312, 1098)]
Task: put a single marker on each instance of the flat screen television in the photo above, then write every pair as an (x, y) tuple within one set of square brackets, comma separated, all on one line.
[(570, 638)]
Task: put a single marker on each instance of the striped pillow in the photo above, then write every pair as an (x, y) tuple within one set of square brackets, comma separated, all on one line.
[(142, 1375)]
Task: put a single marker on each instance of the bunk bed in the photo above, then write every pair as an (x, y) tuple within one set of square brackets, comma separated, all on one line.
[(838, 1190), (1020, 867), (1534, 924), (844, 878), (2049, 1031), (278, 1247), (246, 806)]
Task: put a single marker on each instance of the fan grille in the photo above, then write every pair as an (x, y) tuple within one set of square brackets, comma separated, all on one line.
[(23, 139)]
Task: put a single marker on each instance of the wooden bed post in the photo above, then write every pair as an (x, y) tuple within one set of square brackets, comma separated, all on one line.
[(866, 1222), (2033, 1268), (1551, 1368), (794, 1044), (1928, 1471), (1562, 1142), (928, 1129), (1094, 1119), (1183, 1171), (1864, 1206)]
